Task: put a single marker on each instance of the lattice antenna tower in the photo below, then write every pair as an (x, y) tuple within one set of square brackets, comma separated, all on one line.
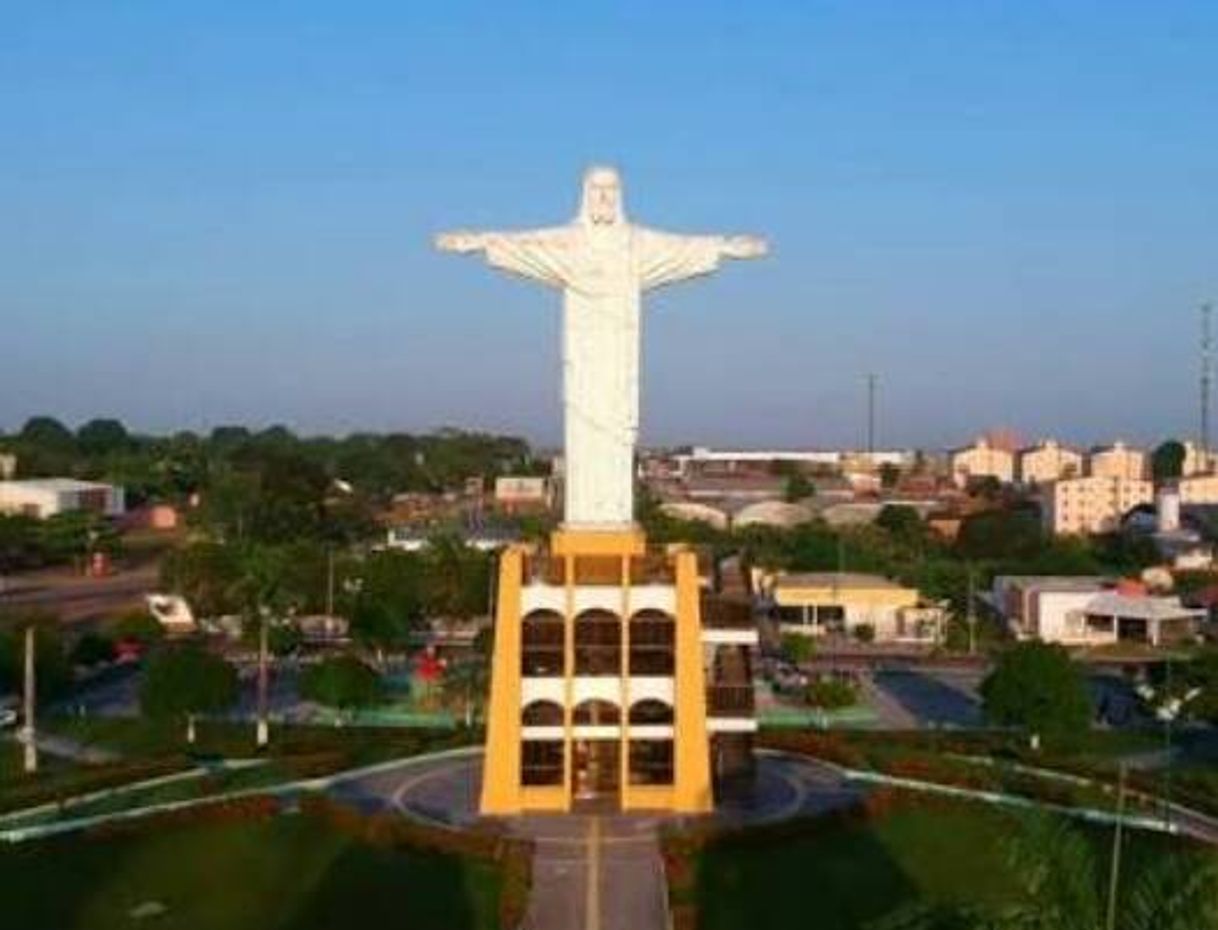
[(1207, 378)]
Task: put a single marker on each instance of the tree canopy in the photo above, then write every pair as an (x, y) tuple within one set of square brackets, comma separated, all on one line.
[(343, 682), (1037, 687), (186, 680), (1167, 460)]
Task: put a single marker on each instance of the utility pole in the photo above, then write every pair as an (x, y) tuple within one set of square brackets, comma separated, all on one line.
[(329, 583), (871, 386), (263, 730), (1114, 878), (972, 614), (28, 733)]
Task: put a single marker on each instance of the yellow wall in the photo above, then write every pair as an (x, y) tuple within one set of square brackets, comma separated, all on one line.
[(501, 767), (691, 750)]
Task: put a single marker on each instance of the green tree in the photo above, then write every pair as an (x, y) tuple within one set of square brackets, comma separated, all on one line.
[(1202, 672), (137, 625), (52, 671), (890, 474), (1037, 687), (186, 681), (1167, 461), (457, 579), (1061, 883), (92, 648), (797, 648), (389, 602), (798, 487), (901, 522), (48, 433), (207, 574), (102, 437), (1002, 533), (20, 543), (342, 682)]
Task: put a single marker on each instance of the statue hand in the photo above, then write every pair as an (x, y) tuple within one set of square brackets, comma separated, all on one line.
[(460, 241), (745, 247)]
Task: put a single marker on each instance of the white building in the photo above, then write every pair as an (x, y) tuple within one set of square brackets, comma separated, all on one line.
[(1117, 461), (743, 459), (45, 497), (1094, 504), (982, 460), (8, 466), (1195, 461), (1198, 489), (1049, 461), (825, 603), (1089, 611), (522, 491)]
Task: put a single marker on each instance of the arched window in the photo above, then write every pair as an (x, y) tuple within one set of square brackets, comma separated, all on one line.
[(541, 714), (542, 639), (596, 713), (598, 643), (650, 711), (652, 643)]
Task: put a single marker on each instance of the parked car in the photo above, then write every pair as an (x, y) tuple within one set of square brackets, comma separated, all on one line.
[(8, 718)]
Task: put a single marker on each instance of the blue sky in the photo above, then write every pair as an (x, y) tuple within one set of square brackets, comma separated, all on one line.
[(214, 213)]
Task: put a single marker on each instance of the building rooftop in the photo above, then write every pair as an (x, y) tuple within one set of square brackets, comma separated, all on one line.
[(1143, 607), (847, 580), (56, 484)]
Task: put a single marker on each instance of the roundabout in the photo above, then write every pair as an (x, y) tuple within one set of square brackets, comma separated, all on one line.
[(596, 870)]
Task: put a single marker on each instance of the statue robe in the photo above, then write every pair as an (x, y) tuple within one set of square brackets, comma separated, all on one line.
[(602, 272)]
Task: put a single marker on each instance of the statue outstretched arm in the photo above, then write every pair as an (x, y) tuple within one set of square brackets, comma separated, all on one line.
[(536, 254), (669, 257)]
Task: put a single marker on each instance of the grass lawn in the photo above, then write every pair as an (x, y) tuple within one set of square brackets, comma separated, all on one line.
[(141, 737), (845, 875), (287, 873)]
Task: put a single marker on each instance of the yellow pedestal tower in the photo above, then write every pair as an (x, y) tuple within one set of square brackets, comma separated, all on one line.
[(599, 681)]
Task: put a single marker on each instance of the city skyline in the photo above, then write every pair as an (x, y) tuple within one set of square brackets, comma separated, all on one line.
[(227, 218)]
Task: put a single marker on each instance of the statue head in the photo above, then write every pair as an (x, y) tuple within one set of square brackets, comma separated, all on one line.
[(602, 200)]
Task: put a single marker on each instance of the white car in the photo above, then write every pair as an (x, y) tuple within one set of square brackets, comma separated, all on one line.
[(8, 718)]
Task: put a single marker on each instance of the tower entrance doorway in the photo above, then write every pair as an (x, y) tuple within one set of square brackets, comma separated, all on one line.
[(597, 770)]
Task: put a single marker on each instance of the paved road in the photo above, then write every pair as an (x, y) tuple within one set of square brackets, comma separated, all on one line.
[(74, 597), (597, 871)]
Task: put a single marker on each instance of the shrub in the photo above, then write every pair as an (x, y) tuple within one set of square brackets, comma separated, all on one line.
[(92, 649), (343, 682), (796, 647), (831, 693)]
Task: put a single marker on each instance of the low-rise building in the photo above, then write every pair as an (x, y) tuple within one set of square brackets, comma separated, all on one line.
[(1198, 489), (516, 493), (1049, 461), (825, 603), (46, 497), (8, 466), (982, 460), (1117, 461), (1095, 504), (1091, 611), (1196, 461)]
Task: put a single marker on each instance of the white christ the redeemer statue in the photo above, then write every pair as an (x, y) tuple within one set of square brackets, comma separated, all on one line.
[(602, 264)]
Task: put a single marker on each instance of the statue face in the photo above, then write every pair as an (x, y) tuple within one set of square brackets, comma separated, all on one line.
[(602, 204)]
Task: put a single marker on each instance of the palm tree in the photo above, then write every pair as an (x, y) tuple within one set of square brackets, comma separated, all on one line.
[(1060, 886)]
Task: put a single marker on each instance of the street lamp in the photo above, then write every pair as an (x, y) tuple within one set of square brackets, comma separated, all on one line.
[(1167, 708)]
